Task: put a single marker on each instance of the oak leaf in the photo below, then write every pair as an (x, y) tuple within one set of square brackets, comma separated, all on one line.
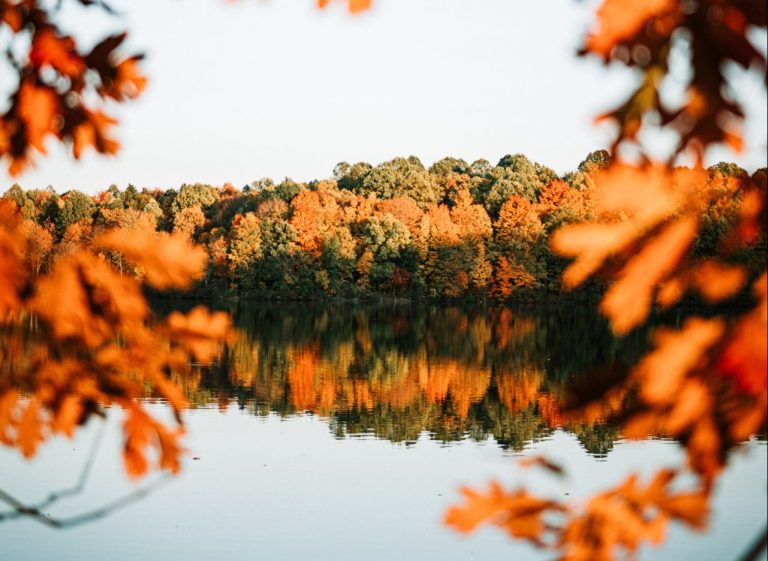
[(199, 331), (167, 260), (58, 52)]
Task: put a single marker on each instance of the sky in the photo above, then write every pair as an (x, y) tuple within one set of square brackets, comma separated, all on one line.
[(277, 88)]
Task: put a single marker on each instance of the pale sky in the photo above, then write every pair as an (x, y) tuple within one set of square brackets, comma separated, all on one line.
[(275, 88)]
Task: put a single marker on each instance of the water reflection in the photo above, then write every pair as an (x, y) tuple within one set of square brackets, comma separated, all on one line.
[(280, 486), (397, 371)]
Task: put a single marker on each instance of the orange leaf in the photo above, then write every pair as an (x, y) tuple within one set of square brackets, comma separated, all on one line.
[(354, 6), (137, 429), (8, 400), (29, 431), (129, 82), (662, 371), (671, 290), (691, 508), (93, 132), (627, 302), (167, 260), (200, 331), (38, 107), (621, 20), (62, 301), (542, 462), (717, 281), (692, 402), (58, 52), (478, 509), (746, 354), (12, 16), (519, 513), (67, 415), (592, 244), (142, 431)]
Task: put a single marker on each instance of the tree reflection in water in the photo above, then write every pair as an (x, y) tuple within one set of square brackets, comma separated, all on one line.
[(395, 371)]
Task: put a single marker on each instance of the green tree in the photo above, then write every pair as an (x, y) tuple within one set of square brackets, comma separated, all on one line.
[(196, 194), (351, 177), (447, 166), (598, 159), (73, 206), (401, 177)]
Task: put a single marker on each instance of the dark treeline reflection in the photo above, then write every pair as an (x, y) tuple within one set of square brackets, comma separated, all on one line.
[(396, 371)]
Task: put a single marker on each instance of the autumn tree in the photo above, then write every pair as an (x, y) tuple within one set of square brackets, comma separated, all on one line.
[(519, 239), (189, 220), (244, 248), (514, 175), (72, 207), (385, 239)]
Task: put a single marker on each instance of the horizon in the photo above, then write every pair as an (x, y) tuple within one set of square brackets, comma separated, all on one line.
[(306, 181)]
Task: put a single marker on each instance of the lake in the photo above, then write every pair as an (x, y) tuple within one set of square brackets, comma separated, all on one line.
[(342, 431)]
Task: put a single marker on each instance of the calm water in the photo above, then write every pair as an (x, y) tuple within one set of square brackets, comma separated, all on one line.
[(336, 432)]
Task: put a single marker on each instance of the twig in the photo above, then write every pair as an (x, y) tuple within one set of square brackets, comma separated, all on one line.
[(35, 511), (757, 547), (88, 516), (86, 472)]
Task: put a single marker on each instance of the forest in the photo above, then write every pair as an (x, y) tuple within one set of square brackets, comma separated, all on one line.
[(452, 230)]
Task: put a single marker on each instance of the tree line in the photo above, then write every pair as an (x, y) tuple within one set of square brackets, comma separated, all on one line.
[(451, 230)]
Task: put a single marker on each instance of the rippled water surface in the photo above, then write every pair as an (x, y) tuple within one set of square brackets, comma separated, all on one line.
[(341, 432)]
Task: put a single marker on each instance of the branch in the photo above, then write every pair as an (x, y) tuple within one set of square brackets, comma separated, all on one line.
[(757, 547), (35, 511), (20, 509)]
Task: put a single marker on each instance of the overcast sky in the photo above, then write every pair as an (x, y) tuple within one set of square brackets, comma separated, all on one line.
[(276, 88)]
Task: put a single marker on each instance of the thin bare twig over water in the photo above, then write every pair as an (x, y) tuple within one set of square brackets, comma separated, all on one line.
[(36, 511), (760, 544)]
